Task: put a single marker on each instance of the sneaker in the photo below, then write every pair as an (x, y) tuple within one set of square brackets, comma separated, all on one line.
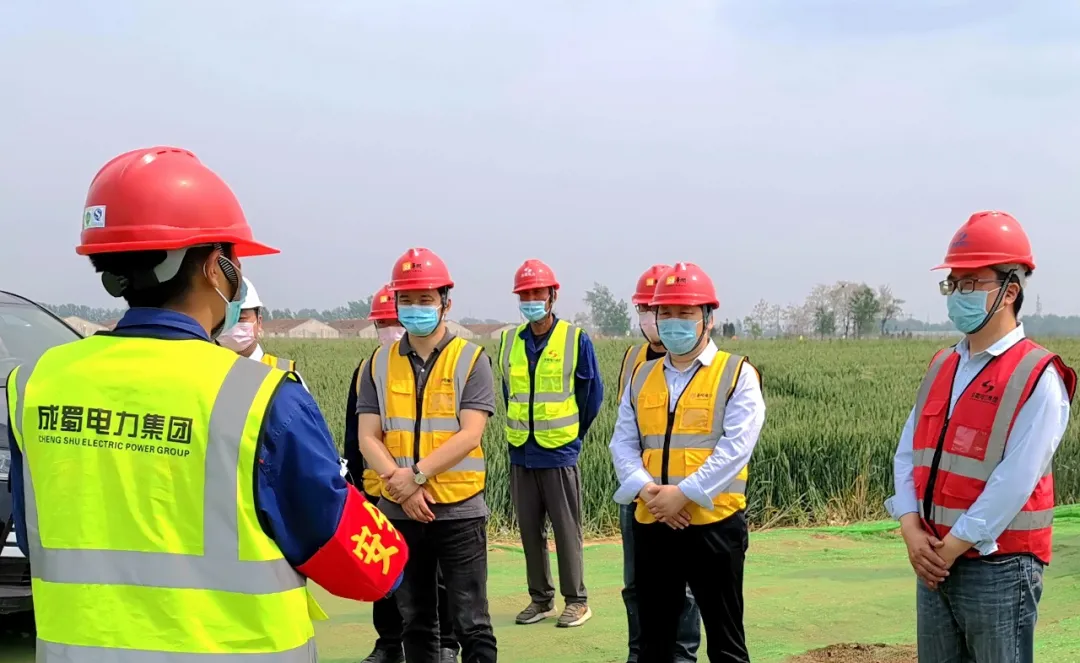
[(535, 613), (575, 614), (385, 656)]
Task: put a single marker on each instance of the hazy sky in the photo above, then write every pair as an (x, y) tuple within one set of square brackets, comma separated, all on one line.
[(777, 143)]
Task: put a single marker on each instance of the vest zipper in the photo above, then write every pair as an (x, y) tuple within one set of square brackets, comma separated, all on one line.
[(532, 397), (931, 480), (666, 457), (667, 445), (419, 414)]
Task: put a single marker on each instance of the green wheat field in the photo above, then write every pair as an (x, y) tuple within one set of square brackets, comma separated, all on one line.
[(835, 410)]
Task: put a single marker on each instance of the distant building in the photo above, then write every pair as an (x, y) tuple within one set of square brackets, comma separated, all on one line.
[(303, 328), (459, 330), (943, 333), (84, 327), (355, 328), (483, 330)]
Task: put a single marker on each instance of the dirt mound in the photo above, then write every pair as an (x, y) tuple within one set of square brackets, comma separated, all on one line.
[(859, 653)]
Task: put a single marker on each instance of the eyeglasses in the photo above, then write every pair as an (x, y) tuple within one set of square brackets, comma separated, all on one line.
[(964, 286)]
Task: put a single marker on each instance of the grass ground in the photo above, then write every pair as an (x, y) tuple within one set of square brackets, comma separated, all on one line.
[(804, 589)]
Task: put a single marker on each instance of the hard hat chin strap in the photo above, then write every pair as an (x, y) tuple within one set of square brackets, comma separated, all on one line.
[(1013, 274)]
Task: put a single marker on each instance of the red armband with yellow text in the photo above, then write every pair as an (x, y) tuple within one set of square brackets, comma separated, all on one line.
[(364, 558)]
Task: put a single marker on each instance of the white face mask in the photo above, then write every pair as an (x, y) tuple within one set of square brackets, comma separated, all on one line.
[(647, 322), (388, 335), (240, 336)]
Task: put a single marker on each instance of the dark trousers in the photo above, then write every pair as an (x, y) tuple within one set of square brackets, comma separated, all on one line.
[(459, 549), (387, 621), (554, 494), (710, 559), (688, 635), (386, 618), (984, 612)]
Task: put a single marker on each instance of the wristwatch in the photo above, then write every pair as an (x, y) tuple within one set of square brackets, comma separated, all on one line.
[(419, 478)]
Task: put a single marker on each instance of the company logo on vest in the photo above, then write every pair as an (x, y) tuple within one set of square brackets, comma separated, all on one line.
[(146, 428), (985, 393)]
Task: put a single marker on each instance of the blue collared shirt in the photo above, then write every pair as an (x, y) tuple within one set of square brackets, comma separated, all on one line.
[(588, 392), (1029, 450), (743, 418), (300, 493)]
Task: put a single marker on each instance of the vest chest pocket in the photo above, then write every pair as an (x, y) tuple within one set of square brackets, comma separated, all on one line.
[(653, 405), (440, 399), (967, 441), (928, 427), (695, 413), (549, 374), (519, 377), (694, 420), (400, 388)]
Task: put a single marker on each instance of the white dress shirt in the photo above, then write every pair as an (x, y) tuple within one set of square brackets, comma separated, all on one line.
[(743, 419), (1029, 450), (257, 355)]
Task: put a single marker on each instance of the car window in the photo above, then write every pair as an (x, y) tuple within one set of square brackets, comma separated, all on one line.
[(26, 332)]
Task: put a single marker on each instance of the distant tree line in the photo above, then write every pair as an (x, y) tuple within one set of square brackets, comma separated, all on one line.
[(844, 309)]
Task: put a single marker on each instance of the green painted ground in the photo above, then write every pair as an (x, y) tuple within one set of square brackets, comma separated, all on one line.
[(805, 589)]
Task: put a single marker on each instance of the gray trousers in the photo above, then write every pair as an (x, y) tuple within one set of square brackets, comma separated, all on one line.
[(553, 494)]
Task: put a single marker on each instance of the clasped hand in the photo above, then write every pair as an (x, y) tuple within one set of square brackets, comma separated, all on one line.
[(667, 504), (413, 498), (925, 552)]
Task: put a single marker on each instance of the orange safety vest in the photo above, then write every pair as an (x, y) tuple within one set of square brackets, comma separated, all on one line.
[(279, 363), (635, 356), (956, 453)]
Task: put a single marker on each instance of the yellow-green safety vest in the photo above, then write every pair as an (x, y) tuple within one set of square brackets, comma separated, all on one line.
[(543, 401), (676, 444), (145, 545)]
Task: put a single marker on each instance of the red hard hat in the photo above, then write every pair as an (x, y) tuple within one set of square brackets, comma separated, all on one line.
[(988, 239), (382, 305), (162, 198), (534, 273), (419, 269), (646, 284), (685, 284)]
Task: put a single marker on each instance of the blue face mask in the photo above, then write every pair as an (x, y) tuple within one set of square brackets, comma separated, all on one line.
[(967, 311), (678, 336), (418, 320), (232, 308), (533, 311)]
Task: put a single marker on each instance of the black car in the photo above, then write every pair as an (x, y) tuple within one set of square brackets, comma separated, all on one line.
[(27, 330)]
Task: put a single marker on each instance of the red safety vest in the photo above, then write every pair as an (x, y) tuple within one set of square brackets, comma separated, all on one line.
[(955, 454)]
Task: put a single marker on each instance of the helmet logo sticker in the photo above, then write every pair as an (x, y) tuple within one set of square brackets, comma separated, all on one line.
[(93, 217), (960, 240)]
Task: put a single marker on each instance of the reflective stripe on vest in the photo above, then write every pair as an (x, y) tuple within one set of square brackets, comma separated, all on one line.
[(541, 400), (52, 652), (395, 385), (279, 363), (969, 443), (676, 444), (635, 356), (237, 582)]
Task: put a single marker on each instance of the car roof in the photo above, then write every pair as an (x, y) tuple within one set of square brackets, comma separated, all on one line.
[(11, 298)]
